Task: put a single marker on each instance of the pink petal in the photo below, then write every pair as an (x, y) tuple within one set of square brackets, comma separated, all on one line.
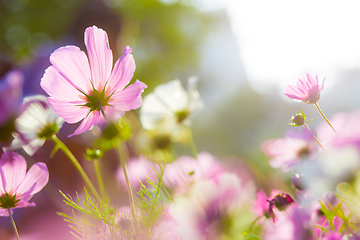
[(322, 85), (129, 98), (68, 111), (123, 71), (73, 65), (100, 55), (12, 170), (35, 179), (311, 80), (56, 86), (302, 86), (87, 123), (5, 212), (294, 93)]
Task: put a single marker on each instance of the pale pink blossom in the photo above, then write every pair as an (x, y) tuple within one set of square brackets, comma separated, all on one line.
[(306, 90), (348, 131), (86, 88), (179, 175), (185, 171), (18, 186), (289, 151), (209, 208), (138, 170)]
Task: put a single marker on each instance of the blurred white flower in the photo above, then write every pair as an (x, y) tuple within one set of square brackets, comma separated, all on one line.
[(37, 123), (329, 169), (170, 104)]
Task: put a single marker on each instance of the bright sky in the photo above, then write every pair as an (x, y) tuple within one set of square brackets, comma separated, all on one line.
[(281, 40)]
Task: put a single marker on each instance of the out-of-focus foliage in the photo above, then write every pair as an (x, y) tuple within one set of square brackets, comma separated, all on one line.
[(164, 36), (26, 24)]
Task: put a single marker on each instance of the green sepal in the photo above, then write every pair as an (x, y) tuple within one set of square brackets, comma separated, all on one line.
[(8, 201)]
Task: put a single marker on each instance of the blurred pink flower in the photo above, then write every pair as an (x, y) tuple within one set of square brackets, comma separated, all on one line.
[(79, 91), (348, 131), (16, 186), (288, 152), (264, 206), (213, 209), (294, 224), (185, 171), (138, 170), (306, 90), (179, 175)]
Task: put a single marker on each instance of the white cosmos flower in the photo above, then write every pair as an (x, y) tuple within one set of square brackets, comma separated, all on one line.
[(37, 123), (171, 104)]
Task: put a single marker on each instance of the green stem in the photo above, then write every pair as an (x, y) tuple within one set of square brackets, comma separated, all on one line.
[(77, 165), (162, 169), (192, 144), (306, 126), (321, 113), (14, 225), (128, 185), (99, 178)]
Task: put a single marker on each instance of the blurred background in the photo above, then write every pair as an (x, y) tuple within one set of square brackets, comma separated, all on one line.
[(244, 52)]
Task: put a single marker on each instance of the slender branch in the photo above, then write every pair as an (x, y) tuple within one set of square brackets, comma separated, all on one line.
[(14, 225), (77, 165), (321, 113), (128, 185), (306, 126), (99, 178)]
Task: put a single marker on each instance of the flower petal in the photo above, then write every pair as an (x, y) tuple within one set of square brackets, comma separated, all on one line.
[(58, 87), (73, 66), (70, 112), (35, 179), (87, 123), (129, 98), (153, 111), (100, 55), (311, 80), (12, 170), (123, 71), (294, 93), (173, 95)]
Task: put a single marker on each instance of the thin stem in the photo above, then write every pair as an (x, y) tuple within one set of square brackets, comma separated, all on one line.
[(192, 144), (321, 113), (99, 178), (128, 185), (14, 225), (162, 169), (77, 165), (306, 126)]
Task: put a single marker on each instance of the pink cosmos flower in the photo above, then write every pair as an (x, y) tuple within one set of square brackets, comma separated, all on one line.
[(86, 87), (348, 131), (264, 206), (288, 152), (211, 209), (306, 90), (185, 171), (179, 175), (16, 186)]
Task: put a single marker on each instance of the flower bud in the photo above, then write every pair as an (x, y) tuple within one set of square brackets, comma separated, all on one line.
[(298, 120)]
